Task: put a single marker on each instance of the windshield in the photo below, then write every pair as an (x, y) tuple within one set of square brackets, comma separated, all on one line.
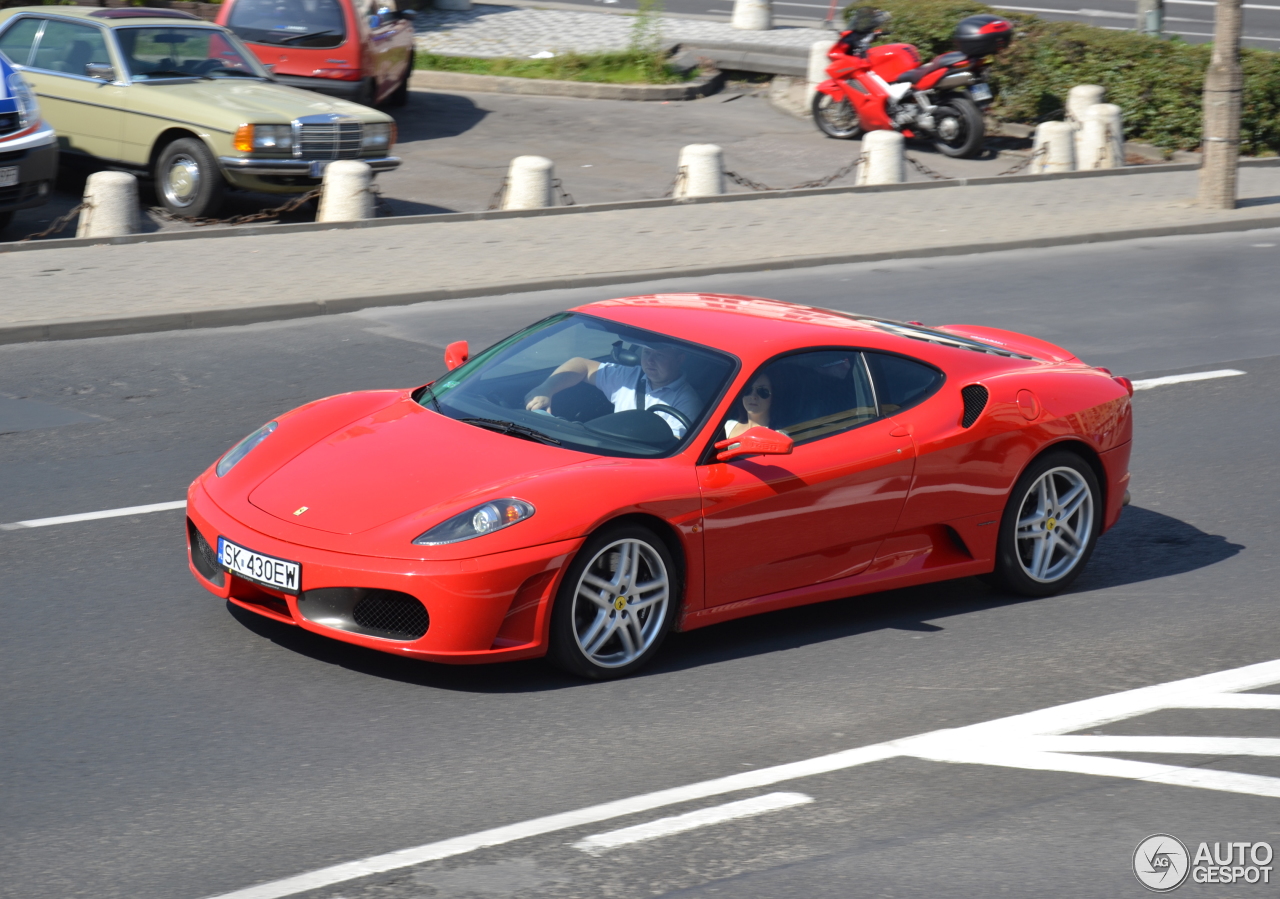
[(296, 23), (153, 53), (587, 384)]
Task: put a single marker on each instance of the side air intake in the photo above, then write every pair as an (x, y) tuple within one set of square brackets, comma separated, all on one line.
[(975, 400)]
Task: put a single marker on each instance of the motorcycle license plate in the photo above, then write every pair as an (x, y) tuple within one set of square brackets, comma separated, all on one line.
[(980, 93)]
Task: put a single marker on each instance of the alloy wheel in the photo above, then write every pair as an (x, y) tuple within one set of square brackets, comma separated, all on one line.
[(1055, 523), (621, 603)]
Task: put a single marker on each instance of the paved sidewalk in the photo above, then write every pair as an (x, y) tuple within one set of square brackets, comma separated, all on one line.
[(486, 30), (81, 291)]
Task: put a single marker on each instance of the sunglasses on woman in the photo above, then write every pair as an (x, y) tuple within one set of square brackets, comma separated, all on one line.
[(763, 392)]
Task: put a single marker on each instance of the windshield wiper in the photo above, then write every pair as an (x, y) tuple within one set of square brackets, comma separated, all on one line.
[(298, 37), (172, 72), (224, 69), (511, 428), (429, 391)]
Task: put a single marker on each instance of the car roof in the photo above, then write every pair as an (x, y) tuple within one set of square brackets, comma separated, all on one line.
[(113, 16)]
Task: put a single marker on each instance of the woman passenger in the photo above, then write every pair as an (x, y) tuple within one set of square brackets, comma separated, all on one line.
[(754, 405)]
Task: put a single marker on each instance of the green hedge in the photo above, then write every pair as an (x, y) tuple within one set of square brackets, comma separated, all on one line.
[(1158, 83)]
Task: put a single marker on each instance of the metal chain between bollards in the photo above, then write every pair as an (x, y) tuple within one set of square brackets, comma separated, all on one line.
[(925, 170), (58, 223), (566, 199), (263, 215), (1031, 157), (746, 182), (682, 175), (495, 202), (380, 204)]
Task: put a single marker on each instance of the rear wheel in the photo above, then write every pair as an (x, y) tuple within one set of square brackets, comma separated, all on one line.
[(958, 128), (835, 118), (400, 96), (1050, 526), (188, 180), (615, 605)]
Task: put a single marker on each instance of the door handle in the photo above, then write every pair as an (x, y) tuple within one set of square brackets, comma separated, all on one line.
[(901, 431)]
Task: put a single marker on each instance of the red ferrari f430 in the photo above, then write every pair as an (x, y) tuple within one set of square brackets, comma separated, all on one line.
[(634, 466)]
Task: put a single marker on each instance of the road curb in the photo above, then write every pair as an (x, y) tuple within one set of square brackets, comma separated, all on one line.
[(247, 315), (431, 80)]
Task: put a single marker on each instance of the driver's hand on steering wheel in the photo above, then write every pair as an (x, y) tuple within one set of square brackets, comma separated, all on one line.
[(538, 404)]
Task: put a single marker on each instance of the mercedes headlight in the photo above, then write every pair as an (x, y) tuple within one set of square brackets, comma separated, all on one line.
[(263, 137), (28, 108), (492, 516), (379, 136), (243, 448)]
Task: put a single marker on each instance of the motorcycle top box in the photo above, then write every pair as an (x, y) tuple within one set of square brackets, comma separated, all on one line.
[(984, 35)]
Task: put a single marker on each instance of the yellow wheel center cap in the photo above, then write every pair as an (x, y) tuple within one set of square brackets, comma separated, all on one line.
[(1051, 524), (620, 603)]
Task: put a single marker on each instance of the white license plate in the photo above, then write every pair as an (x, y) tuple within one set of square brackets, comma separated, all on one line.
[(980, 92), (283, 576), (8, 176)]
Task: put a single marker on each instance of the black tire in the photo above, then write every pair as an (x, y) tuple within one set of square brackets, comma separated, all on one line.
[(1017, 562), (835, 118), (5, 219), (574, 616), (959, 130), (188, 180), (368, 93), (400, 96)]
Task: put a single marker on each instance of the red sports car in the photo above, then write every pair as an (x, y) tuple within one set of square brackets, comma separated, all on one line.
[(632, 466)]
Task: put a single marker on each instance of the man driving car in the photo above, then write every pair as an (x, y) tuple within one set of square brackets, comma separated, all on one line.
[(659, 378)]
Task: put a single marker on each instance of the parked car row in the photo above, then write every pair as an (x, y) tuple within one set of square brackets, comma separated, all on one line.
[(191, 104)]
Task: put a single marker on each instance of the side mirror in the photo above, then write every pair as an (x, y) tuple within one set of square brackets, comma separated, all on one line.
[(456, 353), (100, 70), (755, 442)]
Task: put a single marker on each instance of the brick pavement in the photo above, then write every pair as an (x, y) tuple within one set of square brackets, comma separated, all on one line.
[(83, 290)]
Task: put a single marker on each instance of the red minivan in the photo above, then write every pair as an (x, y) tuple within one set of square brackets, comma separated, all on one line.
[(359, 50)]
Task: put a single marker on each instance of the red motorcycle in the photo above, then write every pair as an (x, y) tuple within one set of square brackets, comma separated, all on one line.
[(886, 87)]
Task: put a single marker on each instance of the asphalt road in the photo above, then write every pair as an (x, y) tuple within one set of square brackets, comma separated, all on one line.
[(1192, 20), (159, 745)]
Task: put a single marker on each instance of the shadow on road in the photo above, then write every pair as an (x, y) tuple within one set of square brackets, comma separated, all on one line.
[(1144, 546), (430, 116)]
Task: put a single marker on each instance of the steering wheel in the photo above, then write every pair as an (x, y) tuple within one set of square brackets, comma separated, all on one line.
[(674, 413)]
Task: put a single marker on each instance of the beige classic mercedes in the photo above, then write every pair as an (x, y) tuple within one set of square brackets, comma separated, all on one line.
[(163, 92)]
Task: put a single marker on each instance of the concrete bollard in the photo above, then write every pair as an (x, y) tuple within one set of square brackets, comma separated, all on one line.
[(703, 168), (1101, 141), (818, 63), (529, 183), (111, 199), (882, 158), (348, 194), (1056, 143), (752, 15), (458, 5), (1080, 98)]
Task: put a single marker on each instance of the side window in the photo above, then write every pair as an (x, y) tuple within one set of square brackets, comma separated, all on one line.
[(806, 395), (901, 382), (16, 42), (69, 47)]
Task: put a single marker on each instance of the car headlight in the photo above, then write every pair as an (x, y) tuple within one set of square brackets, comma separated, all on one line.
[(492, 516), (28, 108), (379, 136), (263, 137), (243, 448)]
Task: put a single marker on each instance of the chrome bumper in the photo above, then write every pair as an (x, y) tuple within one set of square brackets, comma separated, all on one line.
[(307, 168)]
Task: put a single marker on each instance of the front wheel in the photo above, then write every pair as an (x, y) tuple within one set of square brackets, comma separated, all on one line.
[(958, 128), (835, 118), (188, 180), (1050, 526), (615, 605)]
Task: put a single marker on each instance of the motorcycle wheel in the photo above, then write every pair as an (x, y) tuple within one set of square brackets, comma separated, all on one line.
[(835, 118), (958, 128)]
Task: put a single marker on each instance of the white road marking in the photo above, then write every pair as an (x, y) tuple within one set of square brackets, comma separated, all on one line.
[(1005, 742), (93, 516), (703, 817), (1148, 383)]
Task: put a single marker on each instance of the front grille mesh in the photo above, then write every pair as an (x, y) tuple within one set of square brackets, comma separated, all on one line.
[(391, 613), (331, 140), (975, 400), (204, 556)]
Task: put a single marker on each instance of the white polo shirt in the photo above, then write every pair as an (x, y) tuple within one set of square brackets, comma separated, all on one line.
[(619, 383)]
